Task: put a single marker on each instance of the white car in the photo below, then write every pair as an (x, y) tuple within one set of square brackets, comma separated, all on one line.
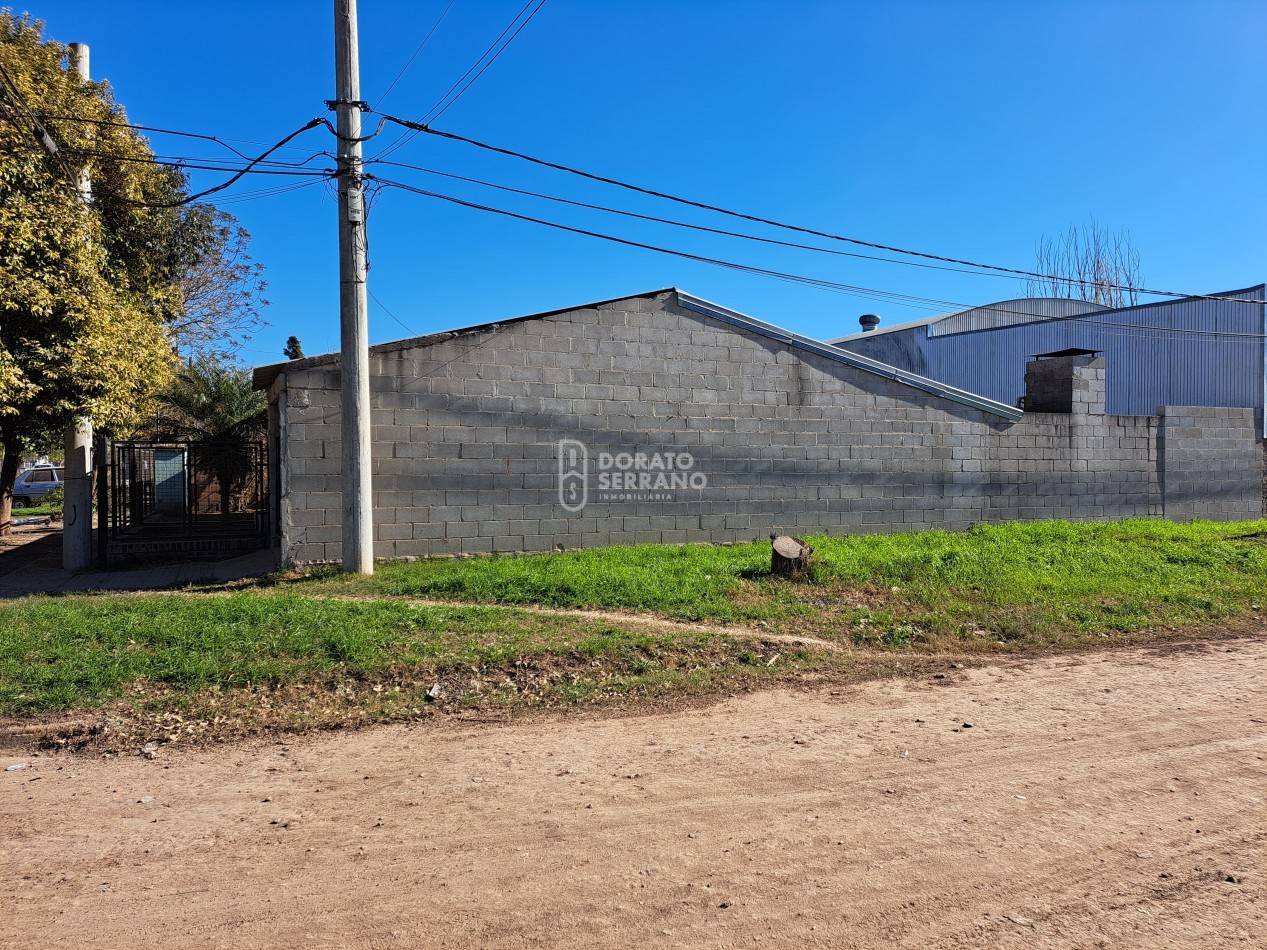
[(31, 486)]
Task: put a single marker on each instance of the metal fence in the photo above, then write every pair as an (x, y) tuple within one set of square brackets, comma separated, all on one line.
[(182, 490)]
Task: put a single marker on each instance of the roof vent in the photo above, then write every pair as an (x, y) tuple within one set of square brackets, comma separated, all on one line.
[(869, 322)]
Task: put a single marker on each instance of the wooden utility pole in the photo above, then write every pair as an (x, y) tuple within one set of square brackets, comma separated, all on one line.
[(358, 504), (77, 440)]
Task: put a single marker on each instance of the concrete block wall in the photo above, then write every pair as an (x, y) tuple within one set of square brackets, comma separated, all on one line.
[(467, 432), (1208, 468)]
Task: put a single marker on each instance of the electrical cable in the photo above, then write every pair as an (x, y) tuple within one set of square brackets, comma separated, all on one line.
[(387, 310), (869, 292), (204, 163), (449, 98), (178, 162), (409, 135), (21, 110), (244, 196), (117, 123), (238, 174), (421, 46), (834, 286), (424, 127), (683, 224)]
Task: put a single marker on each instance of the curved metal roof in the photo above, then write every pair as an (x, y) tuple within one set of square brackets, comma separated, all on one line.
[(1002, 313)]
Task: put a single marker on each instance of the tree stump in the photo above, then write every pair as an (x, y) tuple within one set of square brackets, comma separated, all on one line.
[(789, 557)]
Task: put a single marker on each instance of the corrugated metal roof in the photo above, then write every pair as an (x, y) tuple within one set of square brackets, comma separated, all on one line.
[(1191, 351), (1006, 313)]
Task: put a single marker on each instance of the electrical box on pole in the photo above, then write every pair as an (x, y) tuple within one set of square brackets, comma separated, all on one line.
[(358, 505)]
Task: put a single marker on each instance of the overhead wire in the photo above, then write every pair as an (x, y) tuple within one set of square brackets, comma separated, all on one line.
[(24, 120), (425, 127), (387, 310), (222, 140), (421, 46), (821, 283), (441, 106), (295, 169), (250, 168), (869, 292), (681, 224)]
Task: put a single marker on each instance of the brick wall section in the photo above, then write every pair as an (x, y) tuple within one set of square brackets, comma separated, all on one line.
[(467, 429), (1208, 468)]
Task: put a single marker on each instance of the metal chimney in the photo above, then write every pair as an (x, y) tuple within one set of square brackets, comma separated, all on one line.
[(869, 322)]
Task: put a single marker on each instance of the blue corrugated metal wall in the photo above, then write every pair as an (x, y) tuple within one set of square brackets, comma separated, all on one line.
[(1152, 359)]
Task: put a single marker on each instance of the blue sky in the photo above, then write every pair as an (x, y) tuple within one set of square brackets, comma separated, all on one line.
[(968, 129)]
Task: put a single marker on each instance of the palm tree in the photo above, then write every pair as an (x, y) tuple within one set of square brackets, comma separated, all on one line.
[(215, 408)]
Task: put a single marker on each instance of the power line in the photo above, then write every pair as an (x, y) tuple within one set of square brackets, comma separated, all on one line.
[(19, 115), (681, 224), (834, 286), (185, 163), (248, 169), (424, 127), (237, 173), (222, 141), (421, 46), (387, 310), (449, 98), (244, 196), (869, 292), (411, 133)]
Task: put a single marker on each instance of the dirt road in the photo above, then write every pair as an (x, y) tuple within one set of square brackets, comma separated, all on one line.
[(1095, 800)]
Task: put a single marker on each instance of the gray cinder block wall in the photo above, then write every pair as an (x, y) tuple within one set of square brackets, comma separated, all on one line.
[(1208, 469), (498, 438)]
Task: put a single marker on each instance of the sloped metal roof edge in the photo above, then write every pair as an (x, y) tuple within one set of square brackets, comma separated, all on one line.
[(1254, 292), (896, 328), (769, 330)]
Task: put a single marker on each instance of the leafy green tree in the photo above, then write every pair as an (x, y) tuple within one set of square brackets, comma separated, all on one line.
[(215, 408), (294, 350), (92, 298)]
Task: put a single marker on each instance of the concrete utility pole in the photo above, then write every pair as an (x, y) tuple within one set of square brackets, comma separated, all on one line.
[(358, 500), (77, 440)]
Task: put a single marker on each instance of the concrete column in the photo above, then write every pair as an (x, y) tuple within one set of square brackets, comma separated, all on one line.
[(77, 518)]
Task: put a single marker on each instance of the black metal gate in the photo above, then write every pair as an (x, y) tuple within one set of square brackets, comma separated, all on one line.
[(203, 498)]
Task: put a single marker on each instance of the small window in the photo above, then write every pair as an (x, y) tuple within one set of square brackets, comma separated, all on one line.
[(41, 475)]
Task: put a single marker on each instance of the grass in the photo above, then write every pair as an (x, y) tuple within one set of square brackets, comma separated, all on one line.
[(328, 649), (171, 666), (1021, 580), (37, 511)]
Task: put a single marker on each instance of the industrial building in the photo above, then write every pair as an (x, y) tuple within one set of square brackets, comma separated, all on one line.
[(1190, 351)]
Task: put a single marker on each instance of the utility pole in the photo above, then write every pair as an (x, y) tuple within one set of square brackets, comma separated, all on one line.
[(77, 440), (358, 499)]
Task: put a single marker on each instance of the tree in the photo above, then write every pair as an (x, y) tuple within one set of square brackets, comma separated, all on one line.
[(89, 295), (216, 409), (222, 288), (294, 349), (1088, 263), (80, 325)]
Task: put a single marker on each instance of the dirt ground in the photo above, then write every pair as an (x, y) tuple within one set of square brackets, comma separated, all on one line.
[(1111, 799)]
